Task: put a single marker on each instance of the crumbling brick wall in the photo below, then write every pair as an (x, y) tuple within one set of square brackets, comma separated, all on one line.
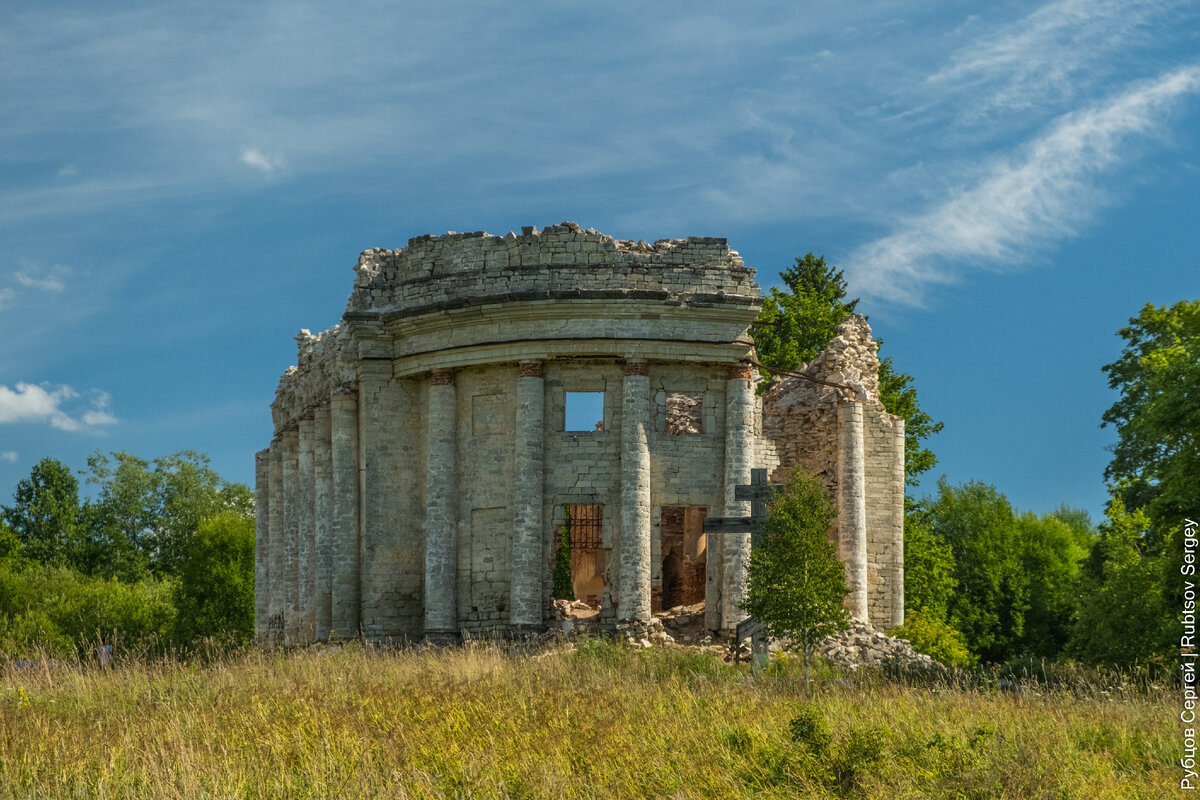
[(800, 421)]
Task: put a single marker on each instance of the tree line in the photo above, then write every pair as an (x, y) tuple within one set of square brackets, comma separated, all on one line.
[(164, 550), (161, 556)]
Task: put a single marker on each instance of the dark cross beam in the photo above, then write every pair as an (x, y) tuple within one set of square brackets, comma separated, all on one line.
[(758, 493)]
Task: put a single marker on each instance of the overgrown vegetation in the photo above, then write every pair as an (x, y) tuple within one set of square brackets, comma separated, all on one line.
[(562, 589), (797, 585), (599, 722), (162, 556), (987, 583)]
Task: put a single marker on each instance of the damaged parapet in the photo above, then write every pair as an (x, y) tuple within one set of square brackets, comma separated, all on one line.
[(430, 449), (844, 435)]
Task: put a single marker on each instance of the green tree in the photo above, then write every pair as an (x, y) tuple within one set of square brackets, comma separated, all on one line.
[(929, 567), (1120, 619), (936, 638), (62, 610), (45, 513), (899, 397), (1156, 459), (992, 598), (147, 512), (797, 584), (796, 325), (215, 593), (1052, 551), (10, 545)]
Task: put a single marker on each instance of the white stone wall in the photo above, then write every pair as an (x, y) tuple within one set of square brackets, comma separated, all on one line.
[(486, 415), (420, 465)]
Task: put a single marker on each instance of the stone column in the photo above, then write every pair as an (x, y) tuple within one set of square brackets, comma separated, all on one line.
[(739, 452), (277, 567), (528, 480), (308, 531), (322, 511), (291, 535), (262, 542), (343, 437), (374, 379), (897, 587), (441, 534), (633, 598), (852, 506)]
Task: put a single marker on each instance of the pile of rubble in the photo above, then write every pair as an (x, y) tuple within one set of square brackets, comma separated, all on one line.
[(683, 626), (862, 645)]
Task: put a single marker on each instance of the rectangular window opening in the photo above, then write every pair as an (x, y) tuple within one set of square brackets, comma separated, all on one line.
[(685, 413), (584, 411)]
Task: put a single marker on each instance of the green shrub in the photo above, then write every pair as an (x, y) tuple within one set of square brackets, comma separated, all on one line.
[(63, 611), (937, 639), (808, 729), (215, 594)]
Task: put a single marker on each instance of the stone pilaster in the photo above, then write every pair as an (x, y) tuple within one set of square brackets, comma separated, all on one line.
[(322, 511), (528, 479), (291, 535), (739, 453), (343, 437), (897, 583), (262, 542), (441, 534), (305, 555), (277, 565), (852, 506), (374, 379), (633, 599)]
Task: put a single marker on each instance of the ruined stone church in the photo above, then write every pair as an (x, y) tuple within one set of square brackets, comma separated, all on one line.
[(481, 392)]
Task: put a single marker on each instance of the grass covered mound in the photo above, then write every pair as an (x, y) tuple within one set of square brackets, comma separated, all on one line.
[(597, 721)]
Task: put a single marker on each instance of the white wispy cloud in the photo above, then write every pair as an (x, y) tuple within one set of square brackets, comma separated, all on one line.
[(1049, 55), (50, 280), (6, 296), (252, 157), (1044, 193), (9, 455), (29, 402), (99, 414)]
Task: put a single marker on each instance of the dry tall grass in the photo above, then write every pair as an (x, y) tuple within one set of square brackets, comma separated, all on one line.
[(599, 722)]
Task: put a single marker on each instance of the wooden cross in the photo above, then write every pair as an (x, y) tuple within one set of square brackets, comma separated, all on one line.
[(758, 492)]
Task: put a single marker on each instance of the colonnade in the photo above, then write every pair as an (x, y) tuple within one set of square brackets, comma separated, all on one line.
[(317, 530), (307, 531)]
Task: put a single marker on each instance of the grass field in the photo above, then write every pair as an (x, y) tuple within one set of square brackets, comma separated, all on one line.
[(595, 722)]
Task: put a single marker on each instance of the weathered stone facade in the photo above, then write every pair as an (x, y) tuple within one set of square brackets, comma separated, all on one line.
[(425, 449)]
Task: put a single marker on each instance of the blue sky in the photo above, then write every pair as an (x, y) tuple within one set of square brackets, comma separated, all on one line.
[(184, 186)]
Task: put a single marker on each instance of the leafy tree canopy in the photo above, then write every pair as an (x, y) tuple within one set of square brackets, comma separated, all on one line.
[(1156, 460), (992, 598), (215, 593), (45, 513), (1121, 619), (153, 508), (929, 567), (796, 325)]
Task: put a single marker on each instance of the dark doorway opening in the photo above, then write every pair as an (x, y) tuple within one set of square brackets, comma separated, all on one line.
[(684, 556)]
